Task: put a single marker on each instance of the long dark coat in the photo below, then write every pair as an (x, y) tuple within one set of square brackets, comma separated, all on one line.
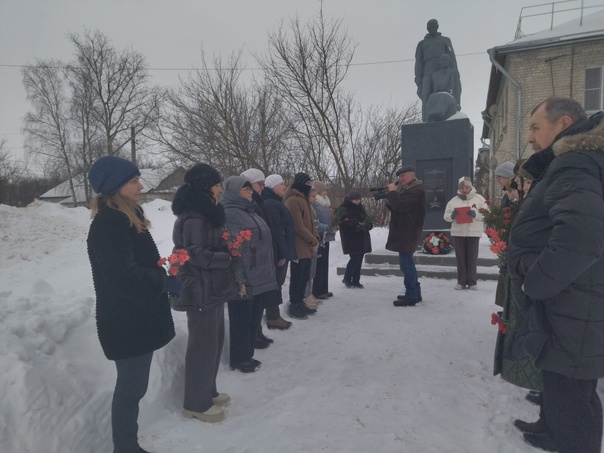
[(133, 315), (556, 258), (285, 235), (407, 207), (354, 228)]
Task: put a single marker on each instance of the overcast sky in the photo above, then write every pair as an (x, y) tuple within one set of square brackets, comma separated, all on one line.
[(171, 33)]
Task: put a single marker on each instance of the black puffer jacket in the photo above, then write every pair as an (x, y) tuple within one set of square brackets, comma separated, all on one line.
[(354, 228), (208, 251), (133, 316), (557, 253)]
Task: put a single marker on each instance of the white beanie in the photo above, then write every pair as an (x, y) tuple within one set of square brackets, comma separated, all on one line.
[(273, 180), (465, 181), (253, 175), (506, 170)]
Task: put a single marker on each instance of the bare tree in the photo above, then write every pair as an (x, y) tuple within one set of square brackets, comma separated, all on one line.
[(214, 117), (307, 64), (120, 83), (47, 127)]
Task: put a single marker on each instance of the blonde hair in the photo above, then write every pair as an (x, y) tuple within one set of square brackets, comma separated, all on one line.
[(119, 203)]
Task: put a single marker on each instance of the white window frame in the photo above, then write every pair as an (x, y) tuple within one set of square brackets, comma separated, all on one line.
[(600, 88)]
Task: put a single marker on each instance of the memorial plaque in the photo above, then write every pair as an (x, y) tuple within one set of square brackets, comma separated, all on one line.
[(442, 152)]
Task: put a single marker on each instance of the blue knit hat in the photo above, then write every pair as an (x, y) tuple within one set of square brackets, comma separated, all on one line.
[(110, 173)]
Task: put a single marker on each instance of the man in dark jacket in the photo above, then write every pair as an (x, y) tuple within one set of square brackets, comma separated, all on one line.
[(556, 264), (407, 204)]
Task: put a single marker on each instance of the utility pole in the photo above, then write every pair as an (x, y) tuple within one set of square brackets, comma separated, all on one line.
[(133, 145)]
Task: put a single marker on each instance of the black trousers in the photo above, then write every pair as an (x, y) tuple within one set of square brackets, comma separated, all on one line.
[(272, 309), (244, 317), (298, 279), (320, 284), (353, 268), (573, 413)]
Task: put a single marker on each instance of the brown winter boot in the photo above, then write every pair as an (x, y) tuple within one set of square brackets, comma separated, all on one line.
[(278, 323)]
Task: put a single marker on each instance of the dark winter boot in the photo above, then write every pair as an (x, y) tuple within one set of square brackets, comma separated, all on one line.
[(297, 311), (534, 397), (540, 440), (405, 302), (534, 428), (402, 297)]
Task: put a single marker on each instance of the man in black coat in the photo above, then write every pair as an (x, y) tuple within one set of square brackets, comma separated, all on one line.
[(556, 264)]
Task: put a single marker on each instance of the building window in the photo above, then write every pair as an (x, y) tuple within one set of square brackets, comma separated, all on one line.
[(594, 83)]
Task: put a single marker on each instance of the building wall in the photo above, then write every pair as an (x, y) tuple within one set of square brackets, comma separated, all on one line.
[(558, 71)]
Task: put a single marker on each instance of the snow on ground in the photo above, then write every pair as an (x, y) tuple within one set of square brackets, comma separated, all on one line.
[(359, 376)]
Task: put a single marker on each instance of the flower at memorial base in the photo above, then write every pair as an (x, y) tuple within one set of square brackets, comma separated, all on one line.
[(437, 243)]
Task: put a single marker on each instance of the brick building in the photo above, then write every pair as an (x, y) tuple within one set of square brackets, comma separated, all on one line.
[(564, 60)]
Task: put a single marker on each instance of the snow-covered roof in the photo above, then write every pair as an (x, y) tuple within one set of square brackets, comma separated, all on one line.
[(150, 178), (587, 27)]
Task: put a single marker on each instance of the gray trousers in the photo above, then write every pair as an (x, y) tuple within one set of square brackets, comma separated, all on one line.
[(130, 387), (466, 255), (202, 359), (313, 271)]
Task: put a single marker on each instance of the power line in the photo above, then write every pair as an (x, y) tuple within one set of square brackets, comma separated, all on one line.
[(367, 63)]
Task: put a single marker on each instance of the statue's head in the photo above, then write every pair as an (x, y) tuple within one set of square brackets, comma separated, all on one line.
[(445, 61), (432, 26)]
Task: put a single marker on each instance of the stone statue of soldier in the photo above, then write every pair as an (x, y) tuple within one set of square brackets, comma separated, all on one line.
[(445, 100), (427, 61)]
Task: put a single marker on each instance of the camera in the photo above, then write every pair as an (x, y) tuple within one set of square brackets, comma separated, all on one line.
[(380, 192)]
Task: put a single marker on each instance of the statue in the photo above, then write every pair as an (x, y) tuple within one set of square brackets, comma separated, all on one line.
[(445, 99), (427, 61)]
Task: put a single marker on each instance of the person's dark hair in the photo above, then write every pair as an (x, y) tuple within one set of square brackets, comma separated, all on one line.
[(196, 195), (557, 107)]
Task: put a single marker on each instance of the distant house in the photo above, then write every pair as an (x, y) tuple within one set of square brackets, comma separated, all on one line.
[(158, 183), (563, 60)]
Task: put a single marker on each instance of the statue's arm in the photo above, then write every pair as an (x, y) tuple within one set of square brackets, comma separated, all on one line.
[(457, 90), (419, 64), (451, 52)]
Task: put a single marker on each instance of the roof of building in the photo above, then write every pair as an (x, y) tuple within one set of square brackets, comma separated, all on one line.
[(584, 28), (150, 179)]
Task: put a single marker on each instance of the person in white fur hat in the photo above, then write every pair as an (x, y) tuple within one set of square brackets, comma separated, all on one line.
[(467, 226)]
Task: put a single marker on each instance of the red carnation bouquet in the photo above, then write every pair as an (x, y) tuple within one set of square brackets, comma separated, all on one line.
[(497, 221), (234, 243), (173, 262)]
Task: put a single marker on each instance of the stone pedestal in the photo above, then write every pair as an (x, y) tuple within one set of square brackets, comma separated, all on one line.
[(441, 152)]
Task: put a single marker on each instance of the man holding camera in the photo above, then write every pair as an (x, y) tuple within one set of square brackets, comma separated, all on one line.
[(407, 204)]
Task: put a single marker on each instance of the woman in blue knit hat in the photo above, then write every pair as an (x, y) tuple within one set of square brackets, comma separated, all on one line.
[(132, 311)]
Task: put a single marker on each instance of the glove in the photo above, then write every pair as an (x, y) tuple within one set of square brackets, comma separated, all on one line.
[(454, 214), (172, 285), (368, 226), (472, 213), (360, 227)]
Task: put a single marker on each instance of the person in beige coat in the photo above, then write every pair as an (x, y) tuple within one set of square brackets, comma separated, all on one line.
[(467, 226), (307, 243)]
